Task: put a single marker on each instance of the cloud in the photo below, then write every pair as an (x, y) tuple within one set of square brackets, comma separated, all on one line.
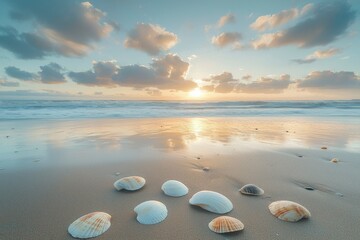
[(23, 45), (222, 83), (101, 75), (20, 74), (227, 38), (246, 77), (330, 80), (153, 92), (322, 25), (49, 74), (167, 72), (70, 35), (192, 57), (5, 83), (150, 38), (226, 83), (266, 85), (226, 19), (265, 22), (318, 55)]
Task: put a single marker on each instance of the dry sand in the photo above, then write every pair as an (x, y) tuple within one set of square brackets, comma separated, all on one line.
[(53, 172)]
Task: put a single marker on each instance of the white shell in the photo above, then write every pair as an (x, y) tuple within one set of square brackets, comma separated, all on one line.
[(174, 188), (251, 189), (225, 224), (90, 225), (131, 183), (151, 212), (288, 211), (212, 201)]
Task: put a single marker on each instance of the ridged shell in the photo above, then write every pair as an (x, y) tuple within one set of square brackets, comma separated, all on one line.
[(131, 183), (174, 188), (288, 211), (251, 189), (90, 225), (225, 224), (212, 201), (151, 212)]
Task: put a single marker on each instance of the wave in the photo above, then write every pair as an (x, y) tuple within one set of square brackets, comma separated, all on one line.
[(52, 109)]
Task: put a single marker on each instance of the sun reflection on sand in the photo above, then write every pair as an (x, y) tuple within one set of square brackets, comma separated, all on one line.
[(177, 134)]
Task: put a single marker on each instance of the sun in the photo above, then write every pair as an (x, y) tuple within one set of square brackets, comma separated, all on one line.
[(196, 93)]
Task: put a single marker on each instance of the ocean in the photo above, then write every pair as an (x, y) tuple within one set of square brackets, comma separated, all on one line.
[(69, 109)]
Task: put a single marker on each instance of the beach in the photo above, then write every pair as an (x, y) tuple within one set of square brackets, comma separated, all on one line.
[(54, 171)]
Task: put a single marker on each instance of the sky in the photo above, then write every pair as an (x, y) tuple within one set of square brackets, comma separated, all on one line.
[(179, 50)]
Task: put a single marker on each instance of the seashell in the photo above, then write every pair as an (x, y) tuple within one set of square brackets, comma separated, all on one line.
[(151, 212), (90, 225), (288, 211), (174, 188), (334, 160), (225, 224), (251, 189), (131, 183), (212, 201)]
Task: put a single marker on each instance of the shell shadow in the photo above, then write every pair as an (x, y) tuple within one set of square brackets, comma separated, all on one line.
[(317, 186)]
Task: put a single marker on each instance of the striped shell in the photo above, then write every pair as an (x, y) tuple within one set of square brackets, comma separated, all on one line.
[(288, 211), (90, 225), (212, 201), (151, 212), (131, 183), (225, 224), (251, 189), (174, 188)]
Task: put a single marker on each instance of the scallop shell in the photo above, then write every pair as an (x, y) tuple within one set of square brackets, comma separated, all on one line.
[(174, 188), (288, 211), (131, 183), (225, 224), (251, 189), (212, 201), (90, 225), (151, 212)]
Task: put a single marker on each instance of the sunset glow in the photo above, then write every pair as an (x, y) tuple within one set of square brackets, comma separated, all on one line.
[(257, 51), (196, 93)]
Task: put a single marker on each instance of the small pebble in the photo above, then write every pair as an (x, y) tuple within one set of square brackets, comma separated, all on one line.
[(324, 148), (339, 194), (334, 160), (309, 188), (198, 158), (206, 169), (300, 156)]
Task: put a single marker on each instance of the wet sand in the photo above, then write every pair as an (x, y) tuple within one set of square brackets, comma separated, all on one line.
[(52, 172)]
